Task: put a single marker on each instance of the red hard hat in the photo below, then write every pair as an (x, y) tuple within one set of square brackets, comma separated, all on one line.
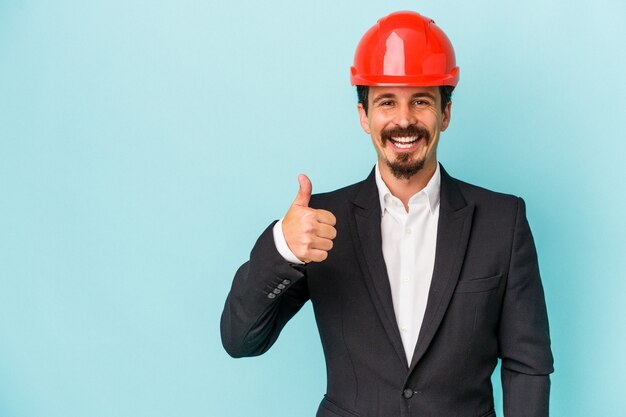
[(404, 49)]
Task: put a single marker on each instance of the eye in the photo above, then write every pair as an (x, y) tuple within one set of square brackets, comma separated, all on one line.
[(420, 102), (386, 103)]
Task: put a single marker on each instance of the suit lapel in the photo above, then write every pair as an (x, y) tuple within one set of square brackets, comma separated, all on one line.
[(367, 237), (453, 230)]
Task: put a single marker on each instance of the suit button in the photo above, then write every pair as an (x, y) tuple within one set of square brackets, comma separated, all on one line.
[(286, 282), (280, 286), (276, 291), (271, 295), (407, 393)]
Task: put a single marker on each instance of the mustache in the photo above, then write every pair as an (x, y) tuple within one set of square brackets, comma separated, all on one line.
[(410, 130)]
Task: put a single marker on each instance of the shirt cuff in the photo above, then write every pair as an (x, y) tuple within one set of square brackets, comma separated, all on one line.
[(281, 244)]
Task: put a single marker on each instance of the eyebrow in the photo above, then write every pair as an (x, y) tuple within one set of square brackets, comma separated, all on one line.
[(383, 97), (391, 95), (417, 95)]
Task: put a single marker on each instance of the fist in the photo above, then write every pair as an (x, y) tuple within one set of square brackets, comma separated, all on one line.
[(309, 232)]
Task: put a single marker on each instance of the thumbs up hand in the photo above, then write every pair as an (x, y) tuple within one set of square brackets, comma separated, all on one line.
[(309, 232)]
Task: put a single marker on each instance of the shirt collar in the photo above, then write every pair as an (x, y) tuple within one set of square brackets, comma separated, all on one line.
[(432, 191)]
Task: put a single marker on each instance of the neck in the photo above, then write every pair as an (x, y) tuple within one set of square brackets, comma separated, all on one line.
[(404, 188)]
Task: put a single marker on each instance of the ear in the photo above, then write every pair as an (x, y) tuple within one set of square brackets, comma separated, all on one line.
[(365, 123), (445, 117)]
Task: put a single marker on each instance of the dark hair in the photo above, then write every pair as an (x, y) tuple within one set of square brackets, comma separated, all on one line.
[(445, 91)]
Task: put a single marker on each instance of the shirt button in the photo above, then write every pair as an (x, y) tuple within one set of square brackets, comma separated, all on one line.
[(407, 231), (407, 393), (403, 329)]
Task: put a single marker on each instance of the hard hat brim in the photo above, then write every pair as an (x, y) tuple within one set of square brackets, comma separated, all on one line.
[(451, 79)]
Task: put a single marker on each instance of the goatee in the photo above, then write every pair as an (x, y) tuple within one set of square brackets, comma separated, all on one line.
[(403, 167)]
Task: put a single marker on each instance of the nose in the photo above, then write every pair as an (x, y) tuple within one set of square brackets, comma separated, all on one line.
[(404, 116)]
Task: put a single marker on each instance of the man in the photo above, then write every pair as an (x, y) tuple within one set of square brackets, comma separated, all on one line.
[(419, 282)]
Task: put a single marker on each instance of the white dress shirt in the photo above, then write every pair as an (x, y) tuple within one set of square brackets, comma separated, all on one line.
[(408, 240), (408, 243)]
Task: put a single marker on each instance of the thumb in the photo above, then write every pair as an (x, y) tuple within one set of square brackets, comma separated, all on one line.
[(304, 193)]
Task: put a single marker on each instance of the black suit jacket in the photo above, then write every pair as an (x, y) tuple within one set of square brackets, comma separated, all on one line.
[(486, 301)]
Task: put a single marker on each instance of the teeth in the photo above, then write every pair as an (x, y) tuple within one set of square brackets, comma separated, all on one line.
[(405, 139), (403, 145), (404, 142)]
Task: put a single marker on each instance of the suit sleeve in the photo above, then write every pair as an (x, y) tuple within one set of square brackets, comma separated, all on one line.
[(266, 292), (524, 337)]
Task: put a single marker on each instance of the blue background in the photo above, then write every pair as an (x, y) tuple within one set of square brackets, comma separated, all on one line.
[(144, 145)]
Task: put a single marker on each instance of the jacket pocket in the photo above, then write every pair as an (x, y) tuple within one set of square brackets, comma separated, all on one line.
[(330, 409), (478, 284)]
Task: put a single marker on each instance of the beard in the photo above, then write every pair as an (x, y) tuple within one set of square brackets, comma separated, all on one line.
[(403, 166)]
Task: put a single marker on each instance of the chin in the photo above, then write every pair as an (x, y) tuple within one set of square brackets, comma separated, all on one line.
[(406, 169)]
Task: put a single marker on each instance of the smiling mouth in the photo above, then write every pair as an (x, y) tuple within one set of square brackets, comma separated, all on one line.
[(405, 142)]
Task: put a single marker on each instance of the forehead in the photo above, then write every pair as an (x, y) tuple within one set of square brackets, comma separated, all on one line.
[(402, 92)]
